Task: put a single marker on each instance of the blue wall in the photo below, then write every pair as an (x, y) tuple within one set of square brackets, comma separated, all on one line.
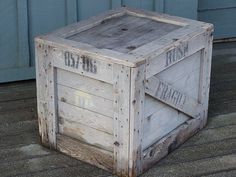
[(22, 20)]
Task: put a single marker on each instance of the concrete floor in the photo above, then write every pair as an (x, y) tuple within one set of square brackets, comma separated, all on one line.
[(211, 153)]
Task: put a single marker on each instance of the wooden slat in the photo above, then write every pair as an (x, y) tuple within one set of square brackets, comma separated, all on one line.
[(46, 94), (85, 117), (121, 91), (86, 134), (160, 123), (88, 23), (205, 75), (84, 152), (166, 93), (137, 101), (184, 75), (84, 100), (83, 65), (175, 52), (170, 142), (84, 84)]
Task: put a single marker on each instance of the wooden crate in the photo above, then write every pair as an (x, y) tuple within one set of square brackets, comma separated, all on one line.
[(123, 89)]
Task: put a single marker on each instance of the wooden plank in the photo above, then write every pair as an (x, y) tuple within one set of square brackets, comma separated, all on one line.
[(206, 74), (118, 32), (86, 134), (188, 79), (160, 123), (104, 55), (137, 101), (84, 152), (168, 94), (84, 84), (83, 65), (121, 116), (84, 100), (168, 56), (46, 95), (170, 142), (85, 117), (87, 24)]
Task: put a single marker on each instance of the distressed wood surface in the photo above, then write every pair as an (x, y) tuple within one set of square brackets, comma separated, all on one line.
[(84, 100), (177, 50), (83, 65), (85, 117), (121, 117), (170, 142), (81, 151), (84, 84), (166, 93), (121, 33), (46, 95), (160, 122), (137, 102), (86, 134)]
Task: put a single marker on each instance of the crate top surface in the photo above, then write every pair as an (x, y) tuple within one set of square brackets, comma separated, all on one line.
[(125, 36)]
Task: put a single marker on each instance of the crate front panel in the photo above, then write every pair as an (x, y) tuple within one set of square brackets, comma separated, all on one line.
[(164, 109), (84, 107)]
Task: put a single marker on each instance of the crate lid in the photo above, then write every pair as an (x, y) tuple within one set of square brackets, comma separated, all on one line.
[(125, 36)]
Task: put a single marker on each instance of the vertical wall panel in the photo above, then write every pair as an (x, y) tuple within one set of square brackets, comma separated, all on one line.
[(182, 8), (222, 14), (8, 34), (48, 15), (88, 8)]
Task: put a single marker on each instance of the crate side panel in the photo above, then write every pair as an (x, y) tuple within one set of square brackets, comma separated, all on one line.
[(161, 122), (184, 75), (124, 33), (90, 154)]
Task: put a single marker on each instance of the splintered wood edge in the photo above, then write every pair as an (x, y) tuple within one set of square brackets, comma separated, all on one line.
[(86, 49), (170, 142), (81, 151)]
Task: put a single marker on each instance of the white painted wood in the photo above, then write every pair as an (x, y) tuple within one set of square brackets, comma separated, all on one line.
[(160, 123), (85, 152), (175, 98), (104, 55), (151, 105), (86, 134), (206, 60), (170, 142), (85, 117), (84, 100), (184, 75), (137, 102), (83, 65), (121, 116), (85, 84), (175, 52), (46, 95)]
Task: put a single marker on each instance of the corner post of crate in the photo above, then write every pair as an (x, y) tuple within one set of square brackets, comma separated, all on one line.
[(121, 92), (206, 61), (137, 98), (45, 75)]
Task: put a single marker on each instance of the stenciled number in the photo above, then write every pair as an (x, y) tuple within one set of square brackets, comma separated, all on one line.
[(70, 60)]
